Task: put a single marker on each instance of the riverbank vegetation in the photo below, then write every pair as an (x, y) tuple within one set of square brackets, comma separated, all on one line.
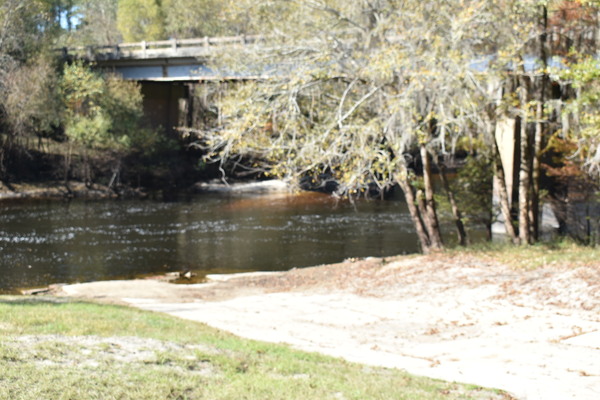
[(357, 99), (65, 121), (59, 349)]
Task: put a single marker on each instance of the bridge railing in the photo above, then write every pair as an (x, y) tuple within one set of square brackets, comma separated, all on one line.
[(159, 49)]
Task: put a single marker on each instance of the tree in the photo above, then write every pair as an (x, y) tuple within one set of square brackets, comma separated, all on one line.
[(193, 19), (582, 113), (249, 17), (97, 23), (363, 91), (139, 20), (473, 187), (374, 93), (517, 84), (561, 27), (27, 80), (26, 26), (574, 152), (30, 101), (101, 113)]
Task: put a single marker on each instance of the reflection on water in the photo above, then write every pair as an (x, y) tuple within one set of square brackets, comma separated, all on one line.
[(50, 242)]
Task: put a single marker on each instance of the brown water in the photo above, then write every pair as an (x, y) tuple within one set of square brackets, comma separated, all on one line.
[(48, 242)]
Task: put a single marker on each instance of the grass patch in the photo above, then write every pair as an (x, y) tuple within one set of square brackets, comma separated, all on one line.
[(58, 349), (561, 253)]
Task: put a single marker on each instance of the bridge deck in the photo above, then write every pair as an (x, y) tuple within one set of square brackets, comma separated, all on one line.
[(167, 60)]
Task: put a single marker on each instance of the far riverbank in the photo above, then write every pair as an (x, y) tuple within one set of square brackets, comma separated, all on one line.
[(61, 190)]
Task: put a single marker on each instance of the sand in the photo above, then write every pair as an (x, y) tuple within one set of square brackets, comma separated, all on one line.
[(534, 334)]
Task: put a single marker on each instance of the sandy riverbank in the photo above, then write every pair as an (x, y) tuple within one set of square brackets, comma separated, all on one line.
[(76, 189), (535, 334)]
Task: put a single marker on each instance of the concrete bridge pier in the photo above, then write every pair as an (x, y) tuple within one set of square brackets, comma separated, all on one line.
[(166, 104), (507, 137)]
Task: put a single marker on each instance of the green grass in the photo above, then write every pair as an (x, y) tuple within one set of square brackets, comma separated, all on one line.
[(558, 253), (57, 349)]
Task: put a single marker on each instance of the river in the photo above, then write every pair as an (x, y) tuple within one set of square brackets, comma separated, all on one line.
[(45, 242)]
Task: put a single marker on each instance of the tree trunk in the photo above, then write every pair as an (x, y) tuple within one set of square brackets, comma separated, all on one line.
[(3, 175), (432, 223), (421, 206), (535, 175), (67, 166), (524, 172), (503, 194), (415, 215), (463, 239), (539, 130), (488, 232)]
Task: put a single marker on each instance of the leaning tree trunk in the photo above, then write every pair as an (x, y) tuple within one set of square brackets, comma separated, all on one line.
[(415, 215), (463, 239), (503, 195), (431, 220)]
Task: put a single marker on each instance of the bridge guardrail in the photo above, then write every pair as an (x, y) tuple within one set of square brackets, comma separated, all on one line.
[(158, 49)]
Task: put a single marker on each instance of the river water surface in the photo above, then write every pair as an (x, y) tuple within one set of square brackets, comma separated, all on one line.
[(45, 242)]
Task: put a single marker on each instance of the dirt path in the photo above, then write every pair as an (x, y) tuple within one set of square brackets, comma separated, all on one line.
[(535, 334)]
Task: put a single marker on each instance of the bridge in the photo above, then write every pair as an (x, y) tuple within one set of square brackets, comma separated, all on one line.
[(175, 60), (167, 71)]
